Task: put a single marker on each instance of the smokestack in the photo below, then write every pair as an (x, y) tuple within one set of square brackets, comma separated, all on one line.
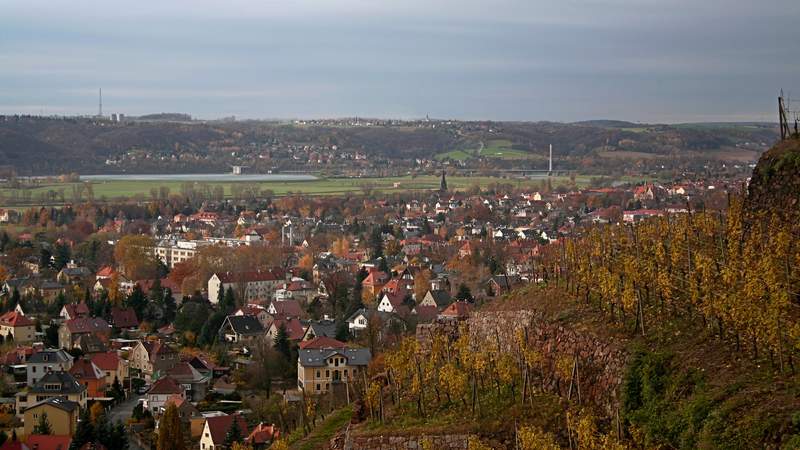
[(551, 158)]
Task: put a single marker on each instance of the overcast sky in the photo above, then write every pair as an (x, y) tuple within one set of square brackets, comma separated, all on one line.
[(562, 60)]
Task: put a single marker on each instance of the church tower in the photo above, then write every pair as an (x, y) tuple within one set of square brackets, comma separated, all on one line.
[(443, 185)]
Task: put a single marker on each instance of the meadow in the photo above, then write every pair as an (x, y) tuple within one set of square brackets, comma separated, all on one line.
[(113, 190)]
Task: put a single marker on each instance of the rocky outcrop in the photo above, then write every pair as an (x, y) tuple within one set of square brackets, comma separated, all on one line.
[(775, 184), (400, 442)]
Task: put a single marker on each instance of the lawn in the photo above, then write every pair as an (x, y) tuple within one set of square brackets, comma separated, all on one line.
[(118, 189), (501, 148)]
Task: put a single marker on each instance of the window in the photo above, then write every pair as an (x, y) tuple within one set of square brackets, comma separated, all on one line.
[(317, 386), (318, 374), (327, 373)]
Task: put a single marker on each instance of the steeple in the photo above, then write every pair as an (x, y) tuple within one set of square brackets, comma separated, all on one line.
[(443, 185)]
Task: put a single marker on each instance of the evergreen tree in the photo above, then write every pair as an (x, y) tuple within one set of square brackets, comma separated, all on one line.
[(118, 438), (282, 343), (137, 301), (14, 299), (85, 431), (170, 430), (43, 425), (342, 330), (210, 330), (234, 433), (169, 306), (464, 293), (229, 302)]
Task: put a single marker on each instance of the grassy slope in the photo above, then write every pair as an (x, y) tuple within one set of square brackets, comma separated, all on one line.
[(323, 432)]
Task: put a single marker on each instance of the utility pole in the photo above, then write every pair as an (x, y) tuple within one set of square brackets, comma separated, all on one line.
[(784, 123), (100, 105)]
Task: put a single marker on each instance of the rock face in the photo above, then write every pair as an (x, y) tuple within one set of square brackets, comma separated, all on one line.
[(443, 442), (775, 185)]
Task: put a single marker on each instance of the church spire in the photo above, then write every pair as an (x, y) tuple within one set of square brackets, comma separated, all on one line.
[(443, 185)]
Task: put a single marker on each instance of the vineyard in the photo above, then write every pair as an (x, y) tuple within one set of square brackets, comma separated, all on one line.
[(726, 283)]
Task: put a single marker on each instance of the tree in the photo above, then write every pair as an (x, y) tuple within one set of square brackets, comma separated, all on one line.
[(170, 430), (229, 301), (342, 330), (282, 343), (210, 330), (51, 336), (84, 433), (137, 301), (96, 411), (464, 293), (136, 256), (234, 433), (43, 425)]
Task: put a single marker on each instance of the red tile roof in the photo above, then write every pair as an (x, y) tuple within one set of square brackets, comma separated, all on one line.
[(294, 328), (48, 442), (107, 361), (87, 325), (165, 385), (220, 425), (15, 319), (84, 369), (263, 434), (457, 309), (124, 318)]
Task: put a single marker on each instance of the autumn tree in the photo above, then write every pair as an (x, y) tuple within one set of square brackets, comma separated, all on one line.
[(170, 430)]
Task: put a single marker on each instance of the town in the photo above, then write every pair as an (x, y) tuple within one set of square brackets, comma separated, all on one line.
[(220, 322)]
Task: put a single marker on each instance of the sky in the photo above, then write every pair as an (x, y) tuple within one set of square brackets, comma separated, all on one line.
[(560, 60)]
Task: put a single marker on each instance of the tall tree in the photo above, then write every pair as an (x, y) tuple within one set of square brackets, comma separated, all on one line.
[(170, 430), (234, 433)]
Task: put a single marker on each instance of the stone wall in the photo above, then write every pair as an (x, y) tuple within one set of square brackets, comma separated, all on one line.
[(400, 442)]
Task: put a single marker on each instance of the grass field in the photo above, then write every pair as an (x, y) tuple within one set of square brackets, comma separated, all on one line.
[(497, 148), (119, 189)]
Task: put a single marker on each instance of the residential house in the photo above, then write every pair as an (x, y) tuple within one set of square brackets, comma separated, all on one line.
[(73, 311), (502, 284), (436, 298), (160, 392), (320, 328), (262, 436), (52, 384), (459, 310), (253, 285), (89, 375), (394, 303), (62, 414), (73, 274), (14, 325), (124, 318), (240, 329), (194, 383), (259, 312), (71, 330), (294, 329), (324, 362), (285, 308), (112, 366), (374, 282), (216, 428), (150, 358), (45, 361)]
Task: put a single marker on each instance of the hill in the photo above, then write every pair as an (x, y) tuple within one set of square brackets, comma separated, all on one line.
[(171, 142), (775, 184)]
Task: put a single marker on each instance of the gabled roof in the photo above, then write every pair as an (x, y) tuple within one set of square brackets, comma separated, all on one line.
[(286, 308), (425, 313), (67, 384), (107, 361), (294, 328), (263, 434), (124, 317), (57, 402), (441, 298), (90, 343), (84, 369), (244, 325), (165, 385), (156, 348), (75, 310), (15, 319), (219, 426), (321, 328), (87, 325), (252, 276), (50, 356), (457, 309), (322, 342)]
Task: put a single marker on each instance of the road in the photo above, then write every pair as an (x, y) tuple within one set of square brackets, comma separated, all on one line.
[(121, 413)]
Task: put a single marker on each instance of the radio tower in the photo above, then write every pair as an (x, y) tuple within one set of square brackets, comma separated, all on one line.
[(100, 106), (550, 170)]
